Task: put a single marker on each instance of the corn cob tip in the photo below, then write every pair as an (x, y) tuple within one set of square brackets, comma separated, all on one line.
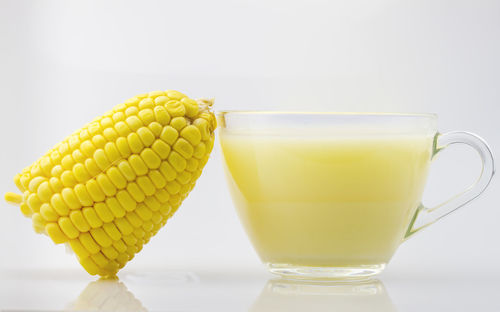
[(13, 198), (205, 103)]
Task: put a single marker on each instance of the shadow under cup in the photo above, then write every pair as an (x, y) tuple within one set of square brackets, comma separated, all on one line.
[(332, 195)]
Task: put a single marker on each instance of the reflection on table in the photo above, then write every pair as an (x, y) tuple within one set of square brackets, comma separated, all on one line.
[(106, 295), (288, 295)]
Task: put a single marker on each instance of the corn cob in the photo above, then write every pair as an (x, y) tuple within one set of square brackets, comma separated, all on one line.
[(110, 186)]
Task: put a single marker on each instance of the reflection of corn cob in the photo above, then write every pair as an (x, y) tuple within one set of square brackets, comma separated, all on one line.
[(106, 295), (111, 185)]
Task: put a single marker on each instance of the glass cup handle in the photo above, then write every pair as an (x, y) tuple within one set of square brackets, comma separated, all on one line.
[(425, 216)]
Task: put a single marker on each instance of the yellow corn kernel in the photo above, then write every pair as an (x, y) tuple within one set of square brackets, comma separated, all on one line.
[(123, 147), (191, 134), (68, 179), (125, 200), (89, 265), (169, 135), (68, 228), (143, 212), (73, 142), (114, 205), (192, 164), (46, 165), (124, 226), (157, 178), (69, 197), (94, 190), (156, 217), (78, 249), (111, 152), (162, 196), (39, 223), (78, 156), (139, 234), (35, 182), (91, 217), (89, 243), (55, 233), (103, 212), (110, 253), (175, 108), (152, 203), (148, 225), (173, 187), (178, 123), (134, 219), (168, 171), (112, 231), (184, 177), (92, 167), (99, 141), (59, 205), (150, 158), (177, 161), (25, 209), (135, 191), (13, 198), (146, 185), (138, 165), (146, 115), (161, 114), (105, 184), (80, 173), (165, 210), (83, 195), (146, 103), (44, 191), (101, 237), (135, 143), (199, 151), (203, 127), (55, 185), (161, 148), (34, 202), (156, 128), (184, 148), (67, 162), (134, 123), (174, 95), (119, 245), (122, 128), (191, 107), (101, 160), (106, 122), (133, 101), (110, 134), (79, 221), (126, 170), (48, 213), (84, 135), (87, 148)]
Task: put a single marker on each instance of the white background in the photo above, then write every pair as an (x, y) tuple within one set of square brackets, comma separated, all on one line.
[(64, 62)]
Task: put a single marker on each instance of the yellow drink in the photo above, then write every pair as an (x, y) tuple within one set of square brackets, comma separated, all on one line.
[(326, 201)]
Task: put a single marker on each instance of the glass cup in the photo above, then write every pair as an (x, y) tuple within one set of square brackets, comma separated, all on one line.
[(332, 195)]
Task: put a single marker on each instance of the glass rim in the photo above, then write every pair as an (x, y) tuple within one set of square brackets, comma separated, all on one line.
[(325, 113)]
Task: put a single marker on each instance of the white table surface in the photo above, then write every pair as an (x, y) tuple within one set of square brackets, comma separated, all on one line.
[(216, 290)]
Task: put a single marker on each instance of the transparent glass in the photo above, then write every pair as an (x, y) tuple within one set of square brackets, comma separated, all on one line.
[(332, 195)]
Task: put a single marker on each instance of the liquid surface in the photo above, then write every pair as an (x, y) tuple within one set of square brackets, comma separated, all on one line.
[(326, 201)]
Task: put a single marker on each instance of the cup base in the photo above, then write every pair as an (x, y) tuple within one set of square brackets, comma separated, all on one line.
[(291, 271)]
